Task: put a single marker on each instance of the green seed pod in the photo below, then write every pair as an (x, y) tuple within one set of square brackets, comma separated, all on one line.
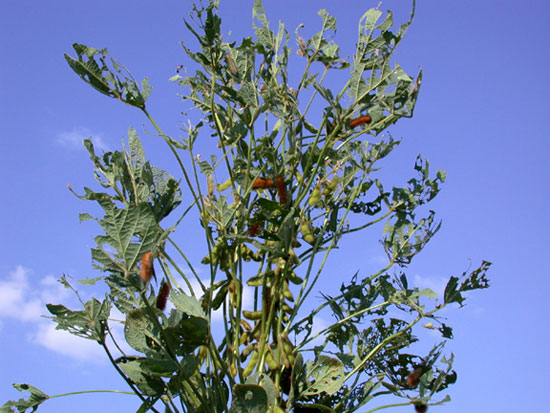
[(287, 309), (292, 257), (252, 315), (306, 232), (270, 361), (329, 189), (294, 279), (210, 185), (315, 196), (309, 238), (203, 352), (233, 369), (243, 338), (256, 281), (251, 364), (225, 185), (287, 293), (245, 325), (246, 253), (246, 352)]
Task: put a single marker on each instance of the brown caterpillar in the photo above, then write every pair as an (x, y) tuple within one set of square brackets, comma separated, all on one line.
[(255, 229), (163, 296), (281, 187), (414, 377)]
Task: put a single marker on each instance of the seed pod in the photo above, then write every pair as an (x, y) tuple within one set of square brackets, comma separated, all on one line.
[(147, 268), (210, 185), (203, 352), (359, 121), (163, 296), (251, 364), (329, 189), (315, 196), (287, 293), (252, 315), (233, 369), (270, 361), (287, 309), (246, 351), (243, 338), (225, 185), (294, 279), (256, 281), (306, 232), (245, 325)]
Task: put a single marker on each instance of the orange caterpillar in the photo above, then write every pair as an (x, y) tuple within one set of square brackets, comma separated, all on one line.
[(260, 183), (163, 296), (359, 121), (147, 268)]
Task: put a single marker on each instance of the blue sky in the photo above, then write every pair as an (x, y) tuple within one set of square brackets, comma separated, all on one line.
[(482, 116)]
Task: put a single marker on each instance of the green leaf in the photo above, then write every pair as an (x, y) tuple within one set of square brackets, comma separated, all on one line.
[(121, 227), (89, 281), (84, 217), (89, 323), (187, 305), (149, 384), (477, 279), (325, 374), (140, 331), (425, 293), (248, 398), (115, 81), (36, 398)]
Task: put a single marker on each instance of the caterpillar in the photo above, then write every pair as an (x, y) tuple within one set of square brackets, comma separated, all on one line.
[(163, 296), (414, 377), (260, 183), (281, 187), (147, 268), (255, 229), (231, 64), (359, 121)]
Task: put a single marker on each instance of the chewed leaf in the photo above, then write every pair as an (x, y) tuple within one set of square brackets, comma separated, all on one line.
[(248, 398), (325, 374), (477, 279), (88, 323), (113, 79), (36, 398)]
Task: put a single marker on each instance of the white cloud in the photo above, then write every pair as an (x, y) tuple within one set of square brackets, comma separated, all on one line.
[(67, 344), (23, 298), (73, 139), (15, 301)]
